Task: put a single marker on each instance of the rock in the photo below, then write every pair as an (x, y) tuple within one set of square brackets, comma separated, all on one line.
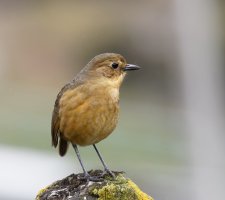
[(73, 187)]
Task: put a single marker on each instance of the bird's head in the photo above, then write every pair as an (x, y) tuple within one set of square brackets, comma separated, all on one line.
[(109, 67)]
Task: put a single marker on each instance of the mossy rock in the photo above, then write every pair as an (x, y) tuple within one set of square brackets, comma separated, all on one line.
[(73, 188)]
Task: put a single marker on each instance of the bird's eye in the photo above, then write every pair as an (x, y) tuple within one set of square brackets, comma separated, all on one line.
[(115, 65)]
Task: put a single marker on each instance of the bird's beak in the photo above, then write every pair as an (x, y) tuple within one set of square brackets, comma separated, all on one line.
[(130, 67)]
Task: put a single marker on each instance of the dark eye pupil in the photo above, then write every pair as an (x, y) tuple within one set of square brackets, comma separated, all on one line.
[(115, 65)]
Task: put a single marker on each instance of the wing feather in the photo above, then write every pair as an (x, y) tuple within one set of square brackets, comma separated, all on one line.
[(55, 123)]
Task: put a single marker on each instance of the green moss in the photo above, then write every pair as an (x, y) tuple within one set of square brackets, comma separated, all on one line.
[(40, 192), (119, 189), (44, 190)]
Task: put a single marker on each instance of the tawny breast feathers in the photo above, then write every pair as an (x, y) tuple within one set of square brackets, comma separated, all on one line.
[(88, 113)]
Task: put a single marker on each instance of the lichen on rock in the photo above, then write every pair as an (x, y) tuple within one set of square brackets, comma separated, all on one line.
[(120, 188), (73, 188)]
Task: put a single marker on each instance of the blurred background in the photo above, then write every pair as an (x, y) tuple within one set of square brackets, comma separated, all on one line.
[(170, 137)]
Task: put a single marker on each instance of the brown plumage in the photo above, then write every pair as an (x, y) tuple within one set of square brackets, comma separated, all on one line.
[(86, 109)]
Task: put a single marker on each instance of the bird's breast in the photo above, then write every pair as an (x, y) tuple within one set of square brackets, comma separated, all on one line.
[(88, 116)]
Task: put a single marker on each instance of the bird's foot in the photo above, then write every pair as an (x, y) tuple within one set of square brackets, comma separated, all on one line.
[(108, 172), (87, 177)]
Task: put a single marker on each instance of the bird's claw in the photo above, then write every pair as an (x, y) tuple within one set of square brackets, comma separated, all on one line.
[(108, 172), (87, 177)]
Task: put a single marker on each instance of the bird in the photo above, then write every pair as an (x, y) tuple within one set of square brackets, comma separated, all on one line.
[(86, 109)]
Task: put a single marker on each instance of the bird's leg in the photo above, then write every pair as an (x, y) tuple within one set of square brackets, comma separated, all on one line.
[(87, 176), (79, 158), (103, 163)]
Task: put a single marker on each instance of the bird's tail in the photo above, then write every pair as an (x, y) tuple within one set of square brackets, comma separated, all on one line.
[(63, 146)]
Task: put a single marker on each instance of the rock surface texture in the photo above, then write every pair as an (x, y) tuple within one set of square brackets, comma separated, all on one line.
[(74, 187)]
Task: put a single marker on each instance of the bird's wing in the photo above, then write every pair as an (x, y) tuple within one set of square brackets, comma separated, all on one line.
[(55, 124), (55, 117)]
